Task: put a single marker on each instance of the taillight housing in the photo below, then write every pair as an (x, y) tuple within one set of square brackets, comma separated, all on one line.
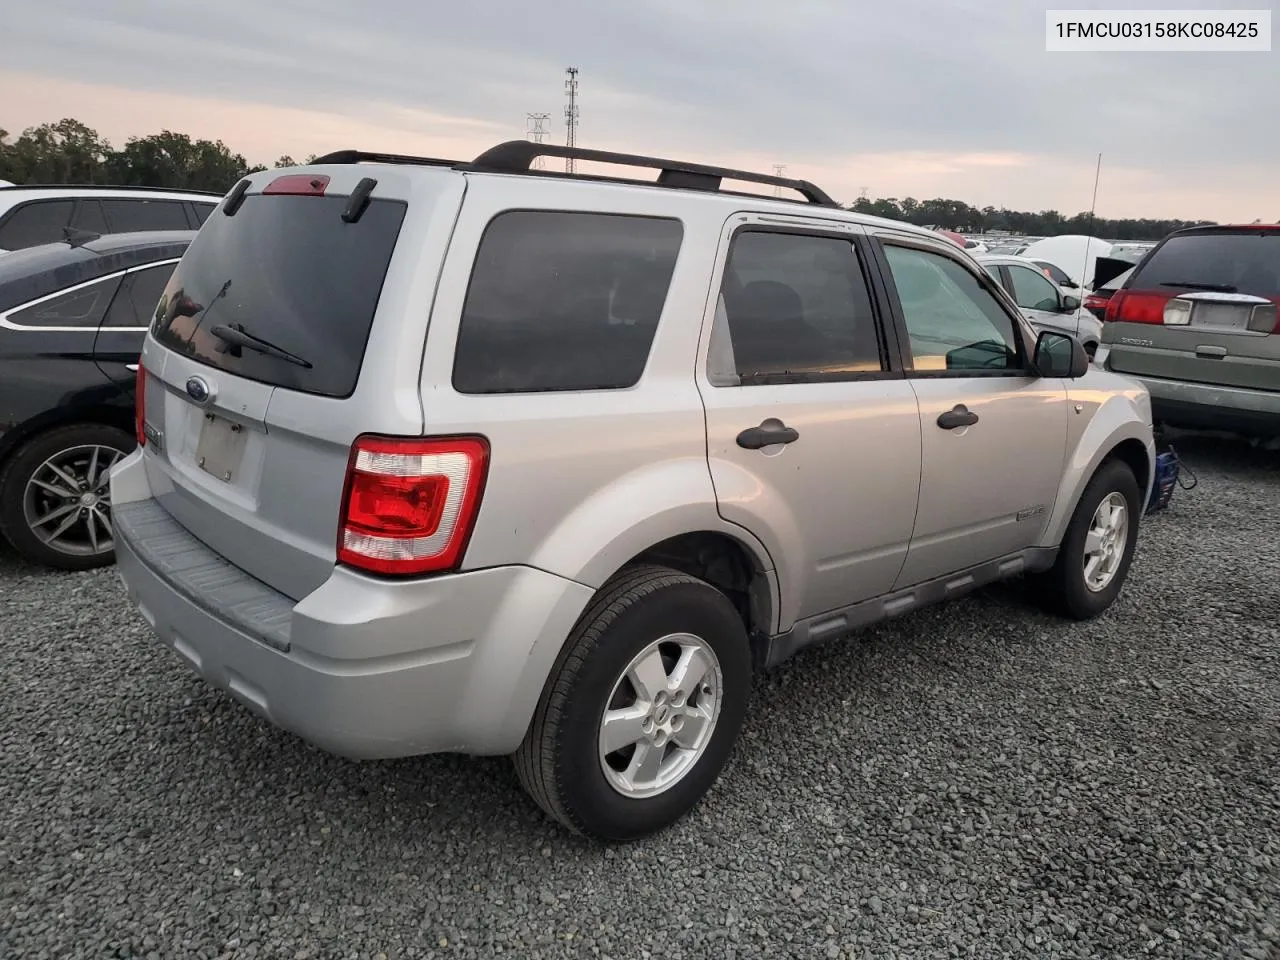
[(410, 503), (1136, 307), (298, 185), (140, 405)]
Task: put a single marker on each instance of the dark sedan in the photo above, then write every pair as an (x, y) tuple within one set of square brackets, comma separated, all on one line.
[(73, 316)]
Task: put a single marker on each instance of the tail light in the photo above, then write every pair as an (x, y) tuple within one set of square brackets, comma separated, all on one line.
[(1096, 304), (410, 504), (140, 405), (298, 185), (1130, 307)]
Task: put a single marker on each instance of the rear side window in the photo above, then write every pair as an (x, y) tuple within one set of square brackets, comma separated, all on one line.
[(795, 308), (35, 223), (129, 216), (89, 217), (288, 271), (202, 211), (135, 304), (564, 301), (82, 307), (1226, 262)]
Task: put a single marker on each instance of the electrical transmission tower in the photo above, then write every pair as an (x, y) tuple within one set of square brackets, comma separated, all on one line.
[(779, 170), (536, 132), (571, 116)]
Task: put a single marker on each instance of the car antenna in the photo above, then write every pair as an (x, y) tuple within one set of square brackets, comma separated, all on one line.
[(76, 237)]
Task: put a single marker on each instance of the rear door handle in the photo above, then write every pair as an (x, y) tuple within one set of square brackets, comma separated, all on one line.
[(957, 416), (769, 432)]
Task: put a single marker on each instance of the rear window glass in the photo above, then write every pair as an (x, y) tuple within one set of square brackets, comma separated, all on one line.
[(288, 271), (35, 223), (1229, 262), (130, 216), (564, 301)]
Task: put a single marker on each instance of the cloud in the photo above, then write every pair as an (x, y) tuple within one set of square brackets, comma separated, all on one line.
[(919, 97)]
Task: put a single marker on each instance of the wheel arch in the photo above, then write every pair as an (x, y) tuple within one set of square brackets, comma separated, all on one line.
[(1115, 433)]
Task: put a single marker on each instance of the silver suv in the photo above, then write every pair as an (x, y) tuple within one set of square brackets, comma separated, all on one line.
[(470, 457)]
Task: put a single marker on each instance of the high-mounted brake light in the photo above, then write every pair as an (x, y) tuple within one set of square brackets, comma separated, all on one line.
[(410, 503), (299, 185), (140, 405)]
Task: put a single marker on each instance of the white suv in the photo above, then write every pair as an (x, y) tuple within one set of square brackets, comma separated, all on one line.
[(33, 215), (472, 458)]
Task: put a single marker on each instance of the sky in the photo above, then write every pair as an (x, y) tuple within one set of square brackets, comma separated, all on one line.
[(921, 98)]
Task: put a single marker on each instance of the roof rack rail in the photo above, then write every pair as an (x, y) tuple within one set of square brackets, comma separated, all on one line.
[(360, 156), (517, 156)]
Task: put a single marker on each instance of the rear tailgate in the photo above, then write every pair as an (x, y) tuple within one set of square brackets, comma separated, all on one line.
[(1202, 309), (285, 332)]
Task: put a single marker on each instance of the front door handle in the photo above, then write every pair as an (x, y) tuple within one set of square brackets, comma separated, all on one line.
[(957, 416), (769, 432)]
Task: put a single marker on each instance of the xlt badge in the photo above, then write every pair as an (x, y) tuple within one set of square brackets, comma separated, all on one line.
[(1030, 512)]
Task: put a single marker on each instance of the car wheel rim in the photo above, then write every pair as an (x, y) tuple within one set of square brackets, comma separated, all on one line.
[(660, 715), (1106, 541), (67, 500)]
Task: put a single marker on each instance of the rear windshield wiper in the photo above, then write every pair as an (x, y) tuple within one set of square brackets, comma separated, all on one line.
[(242, 339), (1193, 285)]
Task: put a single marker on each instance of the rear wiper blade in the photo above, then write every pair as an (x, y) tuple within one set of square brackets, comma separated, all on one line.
[(242, 339), (1194, 285)]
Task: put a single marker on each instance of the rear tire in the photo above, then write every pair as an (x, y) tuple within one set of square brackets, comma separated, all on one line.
[(675, 728), (1095, 554), (42, 468)]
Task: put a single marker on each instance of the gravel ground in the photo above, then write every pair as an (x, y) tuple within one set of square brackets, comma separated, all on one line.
[(976, 780)]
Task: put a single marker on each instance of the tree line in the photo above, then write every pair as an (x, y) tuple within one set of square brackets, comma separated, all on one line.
[(959, 216), (72, 152)]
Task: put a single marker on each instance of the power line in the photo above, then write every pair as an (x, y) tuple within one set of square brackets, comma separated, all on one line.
[(535, 131), (571, 116)]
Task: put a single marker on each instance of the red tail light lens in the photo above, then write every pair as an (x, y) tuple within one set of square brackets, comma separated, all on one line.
[(410, 504), (1136, 307), (140, 405), (299, 185)]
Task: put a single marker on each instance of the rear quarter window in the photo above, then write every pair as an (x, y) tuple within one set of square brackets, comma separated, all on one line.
[(564, 301)]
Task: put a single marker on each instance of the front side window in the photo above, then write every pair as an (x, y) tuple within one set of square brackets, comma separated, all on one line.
[(1032, 290), (83, 307), (564, 301), (793, 307), (954, 324)]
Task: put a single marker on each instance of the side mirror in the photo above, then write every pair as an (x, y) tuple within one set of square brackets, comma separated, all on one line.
[(1060, 355), (1070, 303)]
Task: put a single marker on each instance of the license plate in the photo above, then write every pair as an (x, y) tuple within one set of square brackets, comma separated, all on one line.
[(1220, 316), (221, 447)]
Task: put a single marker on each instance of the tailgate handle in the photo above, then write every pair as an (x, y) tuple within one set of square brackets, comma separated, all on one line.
[(1211, 353)]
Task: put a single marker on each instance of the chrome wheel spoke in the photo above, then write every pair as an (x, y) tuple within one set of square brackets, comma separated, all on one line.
[(62, 493), (65, 477), (689, 670), (91, 472), (693, 723), (623, 727), (645, 763), (92, 527), (649, 676), (1093, 542), (71, 520), (53, 515)]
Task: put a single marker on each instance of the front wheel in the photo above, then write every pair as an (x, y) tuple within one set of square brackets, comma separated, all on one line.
[(643, 708), (1094, 557), (55, 502)]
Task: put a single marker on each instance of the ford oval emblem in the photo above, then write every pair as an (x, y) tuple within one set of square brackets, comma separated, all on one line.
[(198, 390)]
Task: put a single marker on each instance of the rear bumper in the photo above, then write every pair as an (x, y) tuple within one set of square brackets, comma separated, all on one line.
[(362, 667), (1184, 403)]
